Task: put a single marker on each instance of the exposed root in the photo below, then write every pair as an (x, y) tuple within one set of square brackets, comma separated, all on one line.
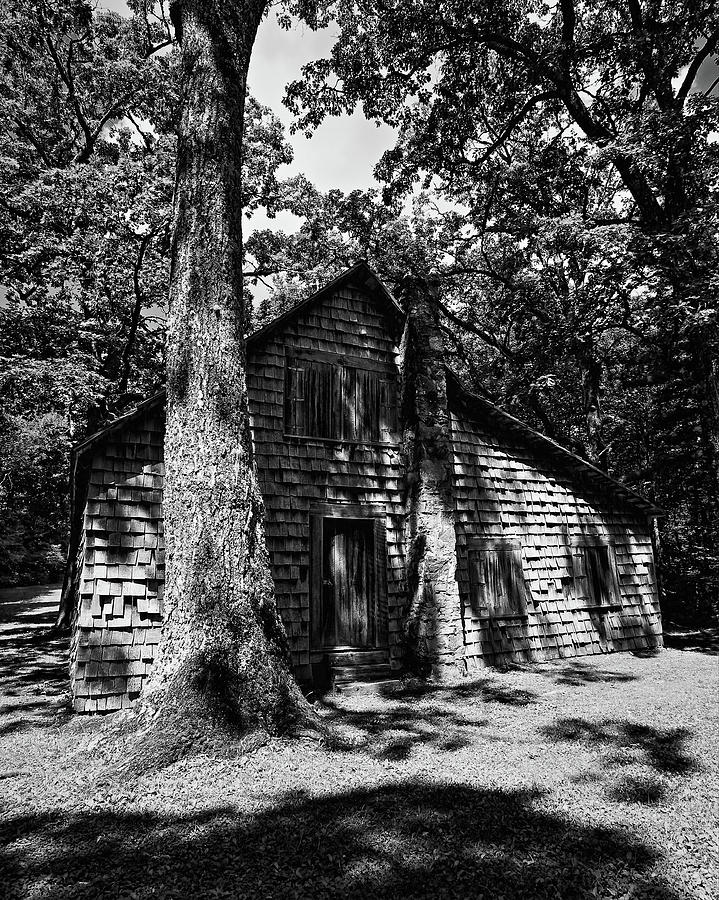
[(180, 721)]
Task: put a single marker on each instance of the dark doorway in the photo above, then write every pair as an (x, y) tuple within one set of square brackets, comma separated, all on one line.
[(349, 592)]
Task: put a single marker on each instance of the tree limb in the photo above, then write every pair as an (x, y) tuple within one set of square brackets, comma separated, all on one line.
[(24, 131), (136, 309), (474, 329), (67, 79), (569, 22), (706, 51), (516, 120)]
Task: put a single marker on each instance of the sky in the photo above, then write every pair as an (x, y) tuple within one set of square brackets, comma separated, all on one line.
[(343, 151)]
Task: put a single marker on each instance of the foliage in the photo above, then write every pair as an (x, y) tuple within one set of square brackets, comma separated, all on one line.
[(555, 169), (579, 142), (88, 104)]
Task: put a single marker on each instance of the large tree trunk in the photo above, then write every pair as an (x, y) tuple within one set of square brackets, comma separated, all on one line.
[(223, 648)]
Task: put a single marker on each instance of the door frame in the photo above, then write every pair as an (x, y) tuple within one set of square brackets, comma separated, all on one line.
[(375, 513)]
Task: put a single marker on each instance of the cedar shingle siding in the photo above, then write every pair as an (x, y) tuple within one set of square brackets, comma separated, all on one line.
[(323, 396), (504, 490), (119, 614)]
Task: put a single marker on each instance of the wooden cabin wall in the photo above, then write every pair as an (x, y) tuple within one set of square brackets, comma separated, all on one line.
[(504, 493), (299, 475), (119, 616), (119, 613)]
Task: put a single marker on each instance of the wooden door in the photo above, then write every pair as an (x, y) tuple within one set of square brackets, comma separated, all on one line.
[(349, 596)]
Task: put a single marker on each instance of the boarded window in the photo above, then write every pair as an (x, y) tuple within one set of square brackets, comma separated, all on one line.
[(497, 584), (595, 575), (325, 399)]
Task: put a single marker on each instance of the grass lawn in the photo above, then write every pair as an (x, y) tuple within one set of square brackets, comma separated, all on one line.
[(580, 779)]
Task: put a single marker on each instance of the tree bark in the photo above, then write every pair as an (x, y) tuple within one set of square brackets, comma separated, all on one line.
[(223, 650), (433, 625), (591, 370)]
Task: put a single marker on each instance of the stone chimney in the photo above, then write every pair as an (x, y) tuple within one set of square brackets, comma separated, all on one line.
[(433, 630)]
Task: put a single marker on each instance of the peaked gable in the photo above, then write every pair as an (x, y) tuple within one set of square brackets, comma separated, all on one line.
[(363, 278), (359, 276)]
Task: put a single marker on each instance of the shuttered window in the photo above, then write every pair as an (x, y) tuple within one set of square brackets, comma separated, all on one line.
[(595, 575), (334, 401), (496, 578)]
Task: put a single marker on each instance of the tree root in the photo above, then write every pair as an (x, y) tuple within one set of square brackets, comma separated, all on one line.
[(161, 730)]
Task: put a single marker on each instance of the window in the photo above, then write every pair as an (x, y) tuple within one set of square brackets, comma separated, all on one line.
[(496, 578), (327, 398), (595, 575)]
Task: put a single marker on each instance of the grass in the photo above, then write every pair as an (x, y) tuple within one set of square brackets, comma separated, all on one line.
[(592, 778)]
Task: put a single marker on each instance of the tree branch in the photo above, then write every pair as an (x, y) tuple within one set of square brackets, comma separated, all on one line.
[(67, 79), (145, 137), (569, 22), (516, 119), (706, 51), (474, 329), (85, 153), (136, 309), (24, 131)]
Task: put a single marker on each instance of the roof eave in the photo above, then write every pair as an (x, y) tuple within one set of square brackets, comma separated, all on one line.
[(572, 459), (359, 271)]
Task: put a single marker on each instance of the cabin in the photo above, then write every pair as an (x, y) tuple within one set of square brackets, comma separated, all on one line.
[(518, 551)]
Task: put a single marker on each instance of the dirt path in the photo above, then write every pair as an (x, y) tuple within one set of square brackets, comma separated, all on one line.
[(592, 778), (33, 666)]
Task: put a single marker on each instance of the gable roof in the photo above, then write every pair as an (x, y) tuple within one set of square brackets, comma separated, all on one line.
[(360, 275), (364, 277), (480, 406)]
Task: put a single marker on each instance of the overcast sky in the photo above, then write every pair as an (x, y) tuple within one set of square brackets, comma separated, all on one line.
[(343, 151)]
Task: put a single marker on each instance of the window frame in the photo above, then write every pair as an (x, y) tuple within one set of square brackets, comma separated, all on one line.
[(344, 363), (583, 589), (523, 592)]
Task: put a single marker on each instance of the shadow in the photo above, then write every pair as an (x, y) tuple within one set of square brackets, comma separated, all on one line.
[(529, 602), (33, 662), (418, 714), (702, 640), (406, 840), (508, 696), (645, 790), (660, 749), (483, 689), (576, 674), (397, 730)]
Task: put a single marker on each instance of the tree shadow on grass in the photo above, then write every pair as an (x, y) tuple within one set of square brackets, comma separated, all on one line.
[(662, 749), (485, 690), (576, 674), (409, 839), (33, 663), (661, 752), (419, 714), (643, 789)]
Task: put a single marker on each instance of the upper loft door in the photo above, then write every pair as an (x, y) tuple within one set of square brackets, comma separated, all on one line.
[(348, 600)]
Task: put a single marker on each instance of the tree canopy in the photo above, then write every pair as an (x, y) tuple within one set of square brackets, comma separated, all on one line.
[(578, 144), (88, 109), (555, 169)]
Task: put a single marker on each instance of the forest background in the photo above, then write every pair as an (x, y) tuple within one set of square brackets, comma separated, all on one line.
[(583, 306)]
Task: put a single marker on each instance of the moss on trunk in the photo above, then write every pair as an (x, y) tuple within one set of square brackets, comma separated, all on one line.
[(223, 654)]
